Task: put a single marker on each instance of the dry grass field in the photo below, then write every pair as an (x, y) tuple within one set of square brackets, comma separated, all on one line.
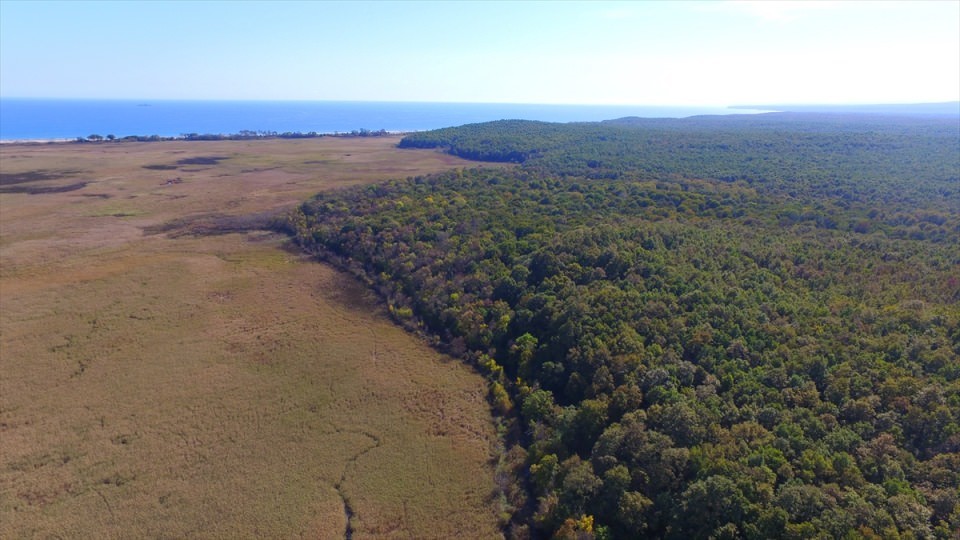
[(159, 384)]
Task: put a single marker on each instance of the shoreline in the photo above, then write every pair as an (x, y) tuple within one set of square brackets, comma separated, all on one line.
[(35, 141), (211, 137)]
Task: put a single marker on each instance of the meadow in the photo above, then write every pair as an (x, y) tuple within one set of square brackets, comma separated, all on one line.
[(168, 370)]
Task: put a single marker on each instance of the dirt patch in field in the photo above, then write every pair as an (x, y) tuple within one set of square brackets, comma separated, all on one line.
[(215, 224), (40, 190), (170, 371), (201, 160), (9, 179)]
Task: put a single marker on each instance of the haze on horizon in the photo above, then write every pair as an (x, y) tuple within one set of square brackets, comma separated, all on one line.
[(644, 53)]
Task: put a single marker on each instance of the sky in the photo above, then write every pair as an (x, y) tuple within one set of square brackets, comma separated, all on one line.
[(689, 53)]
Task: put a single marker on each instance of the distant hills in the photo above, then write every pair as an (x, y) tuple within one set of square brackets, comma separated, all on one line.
[(948, 108)]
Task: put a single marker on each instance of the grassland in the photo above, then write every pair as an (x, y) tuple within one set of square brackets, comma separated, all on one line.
[(158, 383)]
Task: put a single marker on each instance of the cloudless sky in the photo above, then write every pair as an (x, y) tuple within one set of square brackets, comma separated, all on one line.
[(647, 53)]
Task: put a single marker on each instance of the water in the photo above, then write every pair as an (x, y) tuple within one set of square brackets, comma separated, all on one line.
[(25, 119)]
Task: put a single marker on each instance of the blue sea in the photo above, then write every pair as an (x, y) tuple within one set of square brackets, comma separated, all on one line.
[(26, 119)]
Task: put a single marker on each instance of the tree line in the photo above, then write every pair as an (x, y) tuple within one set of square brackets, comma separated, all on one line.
[(242, 135)]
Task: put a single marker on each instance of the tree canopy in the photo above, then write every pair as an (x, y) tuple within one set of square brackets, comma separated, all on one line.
[(713, 327)]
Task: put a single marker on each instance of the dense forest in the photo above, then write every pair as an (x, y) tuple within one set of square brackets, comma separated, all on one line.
[(715, 327)]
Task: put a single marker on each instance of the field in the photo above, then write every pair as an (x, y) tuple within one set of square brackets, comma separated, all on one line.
[(157, 381)]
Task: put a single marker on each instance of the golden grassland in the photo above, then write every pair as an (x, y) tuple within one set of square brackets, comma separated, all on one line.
[(156, 384)]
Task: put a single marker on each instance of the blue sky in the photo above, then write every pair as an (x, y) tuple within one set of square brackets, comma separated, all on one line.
[(647, 53)]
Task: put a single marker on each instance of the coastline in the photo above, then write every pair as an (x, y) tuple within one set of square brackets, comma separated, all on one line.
[(35, 119), (210, 137), (35, 141)]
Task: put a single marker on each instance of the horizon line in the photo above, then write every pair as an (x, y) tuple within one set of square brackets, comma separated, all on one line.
[(425, 102)]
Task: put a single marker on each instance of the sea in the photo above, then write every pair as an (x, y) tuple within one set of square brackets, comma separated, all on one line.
[(54, 119)]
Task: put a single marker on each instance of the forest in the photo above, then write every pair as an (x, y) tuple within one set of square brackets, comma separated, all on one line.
[(713, 327)]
